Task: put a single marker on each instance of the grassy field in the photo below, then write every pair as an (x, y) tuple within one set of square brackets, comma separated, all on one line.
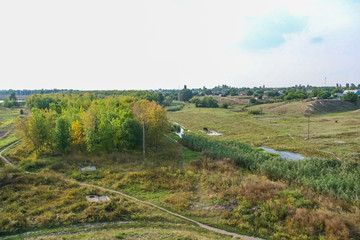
[(215, 192), (282, 126), (175, 106), (124, 230), (7, 122)]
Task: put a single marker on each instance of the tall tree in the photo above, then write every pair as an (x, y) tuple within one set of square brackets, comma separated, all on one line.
[(155, 120), (77, 134), (62, 137), (185, 94), (13, 97), (35, 129)]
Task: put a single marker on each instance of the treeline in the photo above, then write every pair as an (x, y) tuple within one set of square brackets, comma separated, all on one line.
[(324, 175), (261, 95), (59, 123), (26, 92), (44, 100)]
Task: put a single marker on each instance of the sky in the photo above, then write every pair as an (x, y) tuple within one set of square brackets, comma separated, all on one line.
[(142, 44)]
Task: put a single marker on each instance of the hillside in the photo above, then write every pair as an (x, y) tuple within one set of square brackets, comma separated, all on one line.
[(331, 106), (298, 108)]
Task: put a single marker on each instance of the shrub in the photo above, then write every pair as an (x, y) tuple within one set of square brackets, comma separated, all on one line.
[(255, 112), (208, 102), (225, 105), (181, 200)]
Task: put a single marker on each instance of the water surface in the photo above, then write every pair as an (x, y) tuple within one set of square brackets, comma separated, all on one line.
[(284, 154)]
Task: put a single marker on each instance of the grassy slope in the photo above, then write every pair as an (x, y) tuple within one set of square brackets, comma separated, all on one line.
[(7, 121), (282, 127)]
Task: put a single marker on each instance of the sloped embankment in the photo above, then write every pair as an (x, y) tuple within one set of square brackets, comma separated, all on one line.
[(329, 106)]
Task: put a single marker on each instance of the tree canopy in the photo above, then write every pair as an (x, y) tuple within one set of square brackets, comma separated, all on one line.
[(59, 123)]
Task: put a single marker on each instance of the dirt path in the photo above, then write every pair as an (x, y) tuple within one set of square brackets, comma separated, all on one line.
[(234, 235), (1, 156)]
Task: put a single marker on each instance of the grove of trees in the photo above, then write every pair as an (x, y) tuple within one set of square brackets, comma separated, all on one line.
[(208, 102), (60, 122)]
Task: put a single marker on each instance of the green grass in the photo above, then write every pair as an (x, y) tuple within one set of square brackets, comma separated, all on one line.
[(189, 155), (281, 130), (214, 192), (8, 134), (30, 201), (175, 106), (127, 230)]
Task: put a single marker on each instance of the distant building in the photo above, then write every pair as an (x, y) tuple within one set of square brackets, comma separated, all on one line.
[(357, 91), (243, 93)]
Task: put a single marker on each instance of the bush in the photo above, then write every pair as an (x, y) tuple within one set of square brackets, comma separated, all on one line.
[(181, 200), (255, 112), (34, 165), (225, 105), (351, 97), (208, 102), (175, 106)]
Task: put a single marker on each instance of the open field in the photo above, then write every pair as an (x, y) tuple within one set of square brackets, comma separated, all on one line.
[(233, 101), (282, 127), (217, 193), (123, 230), (7, 122)]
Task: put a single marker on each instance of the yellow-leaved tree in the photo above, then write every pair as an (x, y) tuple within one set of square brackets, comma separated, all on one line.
[(77, 134), (156, 123)]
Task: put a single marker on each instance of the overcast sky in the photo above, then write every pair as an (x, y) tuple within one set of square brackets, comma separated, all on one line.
[(143, 44)]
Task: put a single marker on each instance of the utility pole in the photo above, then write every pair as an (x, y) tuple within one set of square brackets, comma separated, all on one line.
[(308, 127), (144, 139), (308, 114)]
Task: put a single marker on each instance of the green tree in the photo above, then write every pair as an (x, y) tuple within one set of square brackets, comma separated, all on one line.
[(324, 94), (185, 94), (131, 133), (351, 97), (11, 102), (167, 101), (62, 137), (35, 130), (155, 118), (90, 122), (13, 97), (209, 102), (294, 95), (273, 93)]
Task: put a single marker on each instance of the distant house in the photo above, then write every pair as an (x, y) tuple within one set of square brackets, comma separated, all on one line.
[(243, 93), (357, 91)]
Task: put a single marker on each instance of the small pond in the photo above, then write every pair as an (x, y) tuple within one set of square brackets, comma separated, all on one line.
[(284, 154)]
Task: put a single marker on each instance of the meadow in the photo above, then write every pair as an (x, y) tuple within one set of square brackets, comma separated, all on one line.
[(281, 126), (213, 191), (7, 122), (217, 180)]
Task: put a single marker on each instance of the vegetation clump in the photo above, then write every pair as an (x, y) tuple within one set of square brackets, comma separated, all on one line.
[(328, 176), (82, 123), (208, 102)]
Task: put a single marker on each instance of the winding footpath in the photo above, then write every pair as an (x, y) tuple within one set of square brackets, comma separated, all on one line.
[(234, 235), (4, 158)]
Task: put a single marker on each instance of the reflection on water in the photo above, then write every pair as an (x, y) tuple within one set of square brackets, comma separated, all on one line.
[(284, 154)]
